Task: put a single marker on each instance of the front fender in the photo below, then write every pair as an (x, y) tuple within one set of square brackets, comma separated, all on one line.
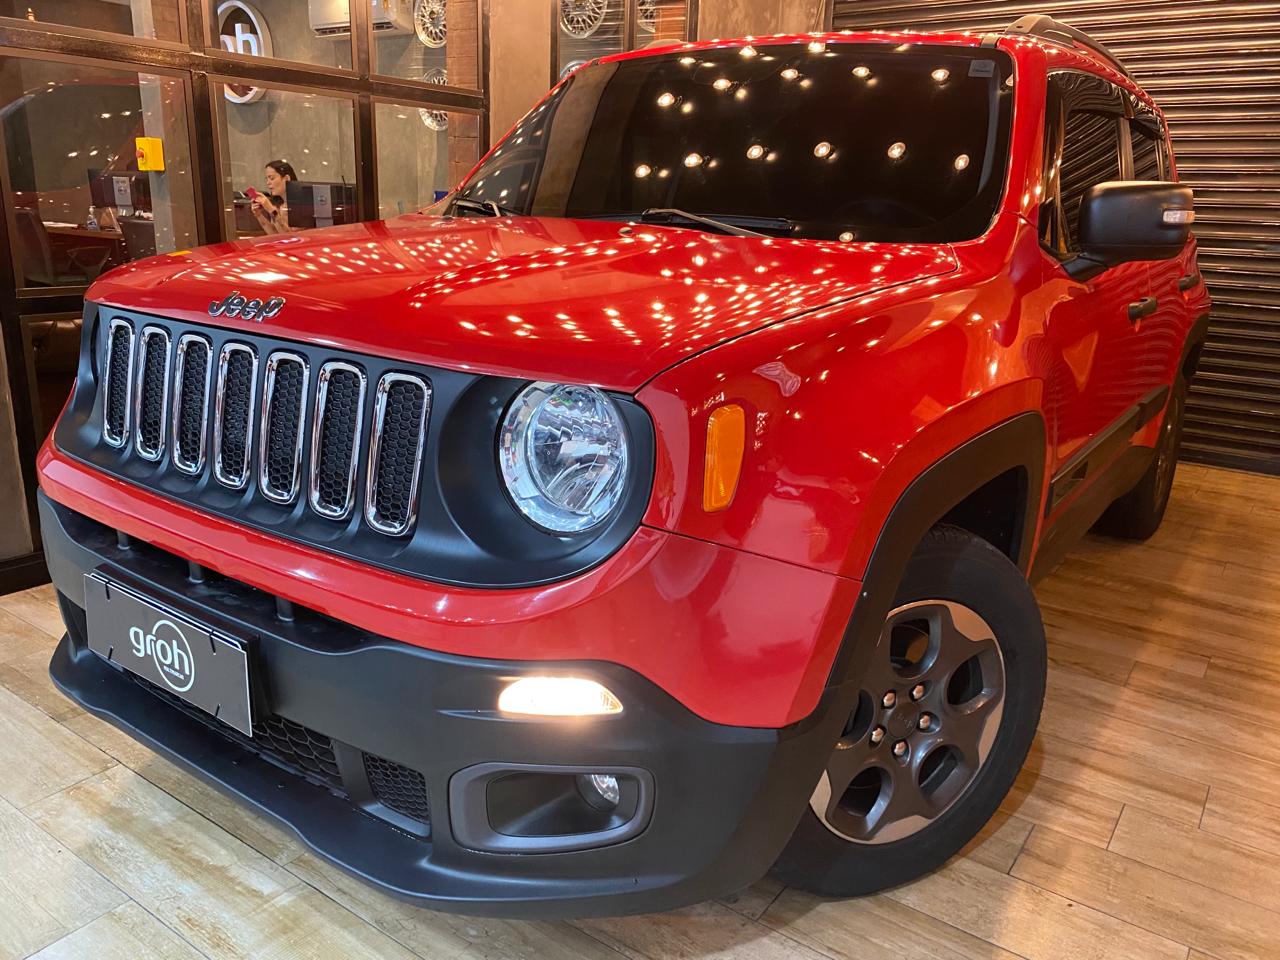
[(845, 409)]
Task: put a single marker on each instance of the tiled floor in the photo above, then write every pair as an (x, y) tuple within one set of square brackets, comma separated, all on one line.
[(1147, 823)]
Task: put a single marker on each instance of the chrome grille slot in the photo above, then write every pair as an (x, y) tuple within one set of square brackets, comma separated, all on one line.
[(284, 394), (117, 383), (152, 399), (401, 406), (233, 413), (338, 423), (192, 368)]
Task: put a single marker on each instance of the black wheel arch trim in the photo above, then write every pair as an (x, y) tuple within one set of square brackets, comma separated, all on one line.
[(1018, 443), (1192, 347)]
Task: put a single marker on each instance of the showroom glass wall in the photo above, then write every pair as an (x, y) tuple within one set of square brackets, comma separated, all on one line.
[(146, 126), (586, 29)]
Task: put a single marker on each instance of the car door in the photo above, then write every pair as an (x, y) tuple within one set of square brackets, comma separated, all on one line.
[(1095, 378)]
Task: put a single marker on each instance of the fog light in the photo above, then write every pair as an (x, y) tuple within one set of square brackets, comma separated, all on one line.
[(558, 697), (601, 790)]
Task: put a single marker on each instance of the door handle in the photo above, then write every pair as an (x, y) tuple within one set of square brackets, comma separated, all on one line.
[(1187, 282), (1143, 308)]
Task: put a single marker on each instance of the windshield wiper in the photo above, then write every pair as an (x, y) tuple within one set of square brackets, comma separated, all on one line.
[(489, 208), (668, 214)]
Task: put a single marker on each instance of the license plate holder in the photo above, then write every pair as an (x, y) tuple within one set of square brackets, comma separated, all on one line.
[(202, 666)]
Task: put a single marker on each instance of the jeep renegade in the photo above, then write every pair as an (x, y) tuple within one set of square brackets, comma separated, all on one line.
[(663, 512)]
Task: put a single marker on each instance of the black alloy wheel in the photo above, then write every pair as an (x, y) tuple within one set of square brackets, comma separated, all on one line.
[(946, 709), (924, 725)]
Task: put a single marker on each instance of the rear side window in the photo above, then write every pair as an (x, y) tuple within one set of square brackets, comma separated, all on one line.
[(1145, 137)]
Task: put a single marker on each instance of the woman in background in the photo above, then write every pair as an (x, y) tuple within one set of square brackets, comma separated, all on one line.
[(271, 209)]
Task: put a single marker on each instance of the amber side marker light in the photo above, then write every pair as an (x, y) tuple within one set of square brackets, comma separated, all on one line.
[(726, 440), (558, 697)]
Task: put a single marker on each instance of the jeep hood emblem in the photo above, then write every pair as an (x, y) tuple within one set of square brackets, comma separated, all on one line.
[(236, 305)]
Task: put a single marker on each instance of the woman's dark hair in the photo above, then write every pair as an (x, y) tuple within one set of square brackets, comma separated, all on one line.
[(284, 168)]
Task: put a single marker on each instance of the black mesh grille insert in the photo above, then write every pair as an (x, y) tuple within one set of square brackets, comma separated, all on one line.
[(396, 786), (297, 748), (334, 467), (119, 363), (192, 411), (282, 443), (395, 478), (237, 411), (153, 372)]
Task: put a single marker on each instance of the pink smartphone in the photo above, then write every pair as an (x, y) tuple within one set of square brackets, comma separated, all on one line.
[(251, 193)]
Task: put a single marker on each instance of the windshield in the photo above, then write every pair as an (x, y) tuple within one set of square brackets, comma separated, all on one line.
[(840, 141)]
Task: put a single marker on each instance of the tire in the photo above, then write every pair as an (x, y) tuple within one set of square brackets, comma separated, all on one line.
[(1138, 514), (851, 850)]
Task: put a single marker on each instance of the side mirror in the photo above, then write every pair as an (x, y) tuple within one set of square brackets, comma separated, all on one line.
[(1123, 221)]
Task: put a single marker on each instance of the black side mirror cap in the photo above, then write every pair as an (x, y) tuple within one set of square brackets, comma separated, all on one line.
[(1124, 221)]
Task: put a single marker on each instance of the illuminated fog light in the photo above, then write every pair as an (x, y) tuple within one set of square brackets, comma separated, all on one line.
[(897, 151), (862, 72), (790, 73), (666, 99), (558, 697), (643, 170), (822, 150), (755, 151), (601, 790), (940, 75), (693, 160), (722, 84), (962, 161)]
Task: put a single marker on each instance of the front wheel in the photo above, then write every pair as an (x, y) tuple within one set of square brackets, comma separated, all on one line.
[(946, 714)]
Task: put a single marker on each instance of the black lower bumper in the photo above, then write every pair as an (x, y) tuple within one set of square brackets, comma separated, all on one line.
[(367, 743)]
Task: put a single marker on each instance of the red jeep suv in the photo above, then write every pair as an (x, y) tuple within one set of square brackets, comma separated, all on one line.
[(662, 513)]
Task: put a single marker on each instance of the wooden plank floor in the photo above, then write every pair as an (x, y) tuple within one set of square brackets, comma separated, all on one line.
[(1146, 825)]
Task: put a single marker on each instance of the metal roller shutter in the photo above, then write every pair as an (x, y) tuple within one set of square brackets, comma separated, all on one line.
[(1214, 67)]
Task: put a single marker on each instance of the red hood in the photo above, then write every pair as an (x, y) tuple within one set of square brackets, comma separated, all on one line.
[(576, 300)]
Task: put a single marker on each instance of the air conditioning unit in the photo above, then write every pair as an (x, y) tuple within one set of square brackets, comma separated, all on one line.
[(332, 18)]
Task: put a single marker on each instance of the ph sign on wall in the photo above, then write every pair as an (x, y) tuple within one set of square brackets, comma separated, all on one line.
[(243, 30)]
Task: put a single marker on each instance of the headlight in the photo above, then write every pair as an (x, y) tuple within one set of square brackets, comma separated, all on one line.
[(563, 452)]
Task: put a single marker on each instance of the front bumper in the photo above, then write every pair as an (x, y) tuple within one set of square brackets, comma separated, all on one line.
[(722, 799)]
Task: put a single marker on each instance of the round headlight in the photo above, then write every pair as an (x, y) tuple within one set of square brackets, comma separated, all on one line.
[(563, 453)]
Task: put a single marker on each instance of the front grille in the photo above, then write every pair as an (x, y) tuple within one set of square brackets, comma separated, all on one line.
[(153, 392), (233, 413), (395, 457), (300, 440), (283, 397), (117, 383), (397, 787)]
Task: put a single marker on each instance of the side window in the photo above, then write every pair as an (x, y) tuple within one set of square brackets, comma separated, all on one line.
[(1146, 138), (1090, 155), (1088, 152)]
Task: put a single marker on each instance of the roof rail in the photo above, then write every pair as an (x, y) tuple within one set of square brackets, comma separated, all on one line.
[(1046, 28)]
